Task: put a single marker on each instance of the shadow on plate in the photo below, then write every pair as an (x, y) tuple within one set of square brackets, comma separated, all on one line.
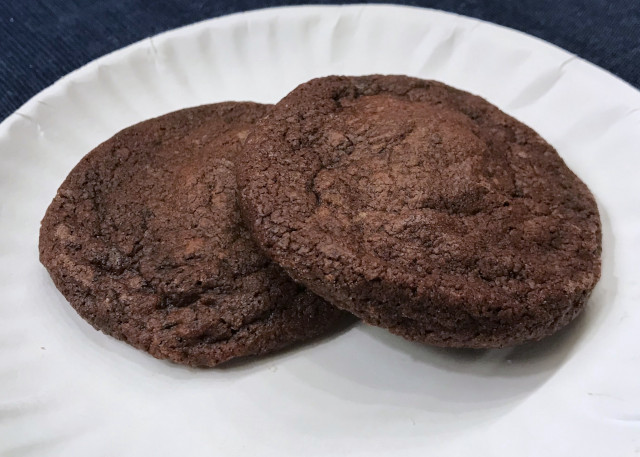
[(253, 363)]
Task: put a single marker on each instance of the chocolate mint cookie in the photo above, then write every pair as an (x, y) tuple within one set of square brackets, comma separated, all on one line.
[(145, 240), (422, 209)]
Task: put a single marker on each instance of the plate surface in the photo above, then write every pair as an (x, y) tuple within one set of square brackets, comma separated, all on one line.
[(66, 389)]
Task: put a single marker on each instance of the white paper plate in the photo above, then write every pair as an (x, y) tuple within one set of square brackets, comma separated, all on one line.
[(66, 389)]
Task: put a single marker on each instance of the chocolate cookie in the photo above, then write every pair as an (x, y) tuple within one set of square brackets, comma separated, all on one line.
[(422, 209), (145, 240)]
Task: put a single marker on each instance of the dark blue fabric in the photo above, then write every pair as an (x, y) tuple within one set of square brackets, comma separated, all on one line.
[(42, 40)]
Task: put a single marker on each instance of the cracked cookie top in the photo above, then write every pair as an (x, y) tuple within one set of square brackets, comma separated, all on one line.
[(145, 240), (421, 208)]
